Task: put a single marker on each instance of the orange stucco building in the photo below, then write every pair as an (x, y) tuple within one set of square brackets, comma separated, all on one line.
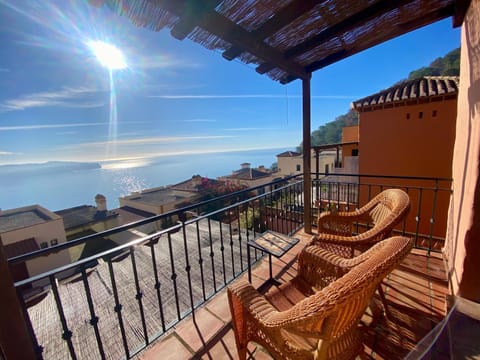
[(408, 130)]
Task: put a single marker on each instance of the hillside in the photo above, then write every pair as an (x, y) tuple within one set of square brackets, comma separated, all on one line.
[(331, 132)]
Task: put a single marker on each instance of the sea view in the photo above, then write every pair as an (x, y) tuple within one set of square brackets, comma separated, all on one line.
[(64, 187)]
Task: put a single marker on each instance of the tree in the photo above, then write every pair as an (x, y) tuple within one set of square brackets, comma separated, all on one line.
[(331, 132), (449, 65)]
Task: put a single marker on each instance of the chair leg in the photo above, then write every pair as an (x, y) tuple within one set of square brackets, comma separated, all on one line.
[(384, 302), (242, 353)]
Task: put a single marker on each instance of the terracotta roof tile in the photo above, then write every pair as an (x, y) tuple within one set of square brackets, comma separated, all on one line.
[(421, 88)]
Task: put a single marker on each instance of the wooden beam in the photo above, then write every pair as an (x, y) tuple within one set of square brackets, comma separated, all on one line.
[(414, 24), (461, 8), (192, 11), (236, 35), (307, 180), (283, 17), (346, 24)]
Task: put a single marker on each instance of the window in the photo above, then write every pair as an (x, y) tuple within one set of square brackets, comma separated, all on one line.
[(408, 116), (326, 169), (43, 245), (53, 242), (420, 115), (354, 152), (299, 168), (434, 113)]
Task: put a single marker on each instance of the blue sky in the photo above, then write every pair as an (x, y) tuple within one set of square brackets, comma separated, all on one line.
[(175, 97)]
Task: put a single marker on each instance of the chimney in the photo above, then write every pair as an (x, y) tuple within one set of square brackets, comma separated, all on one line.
[(245, 165), (196, 180), (101, 202)]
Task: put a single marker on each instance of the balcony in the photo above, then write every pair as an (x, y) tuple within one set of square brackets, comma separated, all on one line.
[(164, 293)]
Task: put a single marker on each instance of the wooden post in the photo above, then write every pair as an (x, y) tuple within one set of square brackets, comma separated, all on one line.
[(15, 341), (307, 180)]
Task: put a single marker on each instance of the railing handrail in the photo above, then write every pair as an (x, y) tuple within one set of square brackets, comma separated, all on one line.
[(385, 176), (122, 228)]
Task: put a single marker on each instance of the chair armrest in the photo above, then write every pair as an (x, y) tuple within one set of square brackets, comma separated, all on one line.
[(308, 313)]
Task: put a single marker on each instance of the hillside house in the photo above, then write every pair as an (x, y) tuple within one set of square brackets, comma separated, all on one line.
[(408, 130)]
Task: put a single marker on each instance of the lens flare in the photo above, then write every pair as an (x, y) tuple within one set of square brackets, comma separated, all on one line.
[(108, 55)]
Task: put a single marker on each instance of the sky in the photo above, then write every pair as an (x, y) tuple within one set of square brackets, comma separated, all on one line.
[(58, 103)]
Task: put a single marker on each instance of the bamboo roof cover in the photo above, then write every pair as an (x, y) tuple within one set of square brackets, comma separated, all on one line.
[(287, 39)]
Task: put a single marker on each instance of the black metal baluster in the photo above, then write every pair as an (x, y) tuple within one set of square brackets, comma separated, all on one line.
[(118, 310), (338, 196), (139, 294), (174, 276), (93, 316), (407, 190), (329, 196), (432, 219), (288, 209), (348, 198), (67, 334), (222, 249), (200, 260), (212, 254), (231, 243), (240, 238), (157, 282), (417, 217), (188, 268)]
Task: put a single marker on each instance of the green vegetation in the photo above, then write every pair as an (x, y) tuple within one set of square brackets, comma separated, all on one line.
[(449, 65), (331, 132)]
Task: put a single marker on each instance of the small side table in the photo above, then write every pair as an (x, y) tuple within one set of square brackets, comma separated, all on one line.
[(272, 243)]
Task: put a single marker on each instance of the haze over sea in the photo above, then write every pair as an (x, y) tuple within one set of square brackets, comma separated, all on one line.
[(66, 188)]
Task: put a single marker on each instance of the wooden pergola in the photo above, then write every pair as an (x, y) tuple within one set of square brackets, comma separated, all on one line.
[(288, 39)]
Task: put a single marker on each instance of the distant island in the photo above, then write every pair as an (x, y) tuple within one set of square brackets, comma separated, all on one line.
[(47, 167)]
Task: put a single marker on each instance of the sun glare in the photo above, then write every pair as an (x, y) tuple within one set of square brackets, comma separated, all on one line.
[(108, 55)]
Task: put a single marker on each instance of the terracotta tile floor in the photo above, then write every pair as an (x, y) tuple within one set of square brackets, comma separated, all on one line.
[(415, 294)]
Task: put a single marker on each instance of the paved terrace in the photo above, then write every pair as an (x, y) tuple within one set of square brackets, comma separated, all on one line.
[(415, 292)]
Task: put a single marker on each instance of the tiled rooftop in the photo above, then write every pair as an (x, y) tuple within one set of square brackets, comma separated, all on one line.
[(158, 196), (82, 215), (421, 88), (415, 294)]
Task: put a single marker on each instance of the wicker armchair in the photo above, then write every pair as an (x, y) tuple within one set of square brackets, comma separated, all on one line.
[(337, 230), (322, 321)]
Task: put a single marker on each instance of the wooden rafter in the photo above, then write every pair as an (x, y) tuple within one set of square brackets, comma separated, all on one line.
[(193, 10), (413, 24), (343, 26), (281, 19), (236, 35)]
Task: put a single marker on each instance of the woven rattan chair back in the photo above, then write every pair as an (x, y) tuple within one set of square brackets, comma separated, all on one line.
[(324, 325)]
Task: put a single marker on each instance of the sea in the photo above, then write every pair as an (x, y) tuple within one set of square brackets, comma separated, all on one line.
[(66, 187)]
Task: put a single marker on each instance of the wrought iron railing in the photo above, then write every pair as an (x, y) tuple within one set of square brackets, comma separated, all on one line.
[(124, 298), (429, 198)]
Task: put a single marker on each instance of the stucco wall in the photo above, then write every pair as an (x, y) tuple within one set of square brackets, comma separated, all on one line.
[(463, 237), (411, 140), (288, 165), (349, 134), (44, 232), (396, 141)]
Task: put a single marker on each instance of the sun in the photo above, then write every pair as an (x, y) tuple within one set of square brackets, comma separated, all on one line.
[(108, 55)]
